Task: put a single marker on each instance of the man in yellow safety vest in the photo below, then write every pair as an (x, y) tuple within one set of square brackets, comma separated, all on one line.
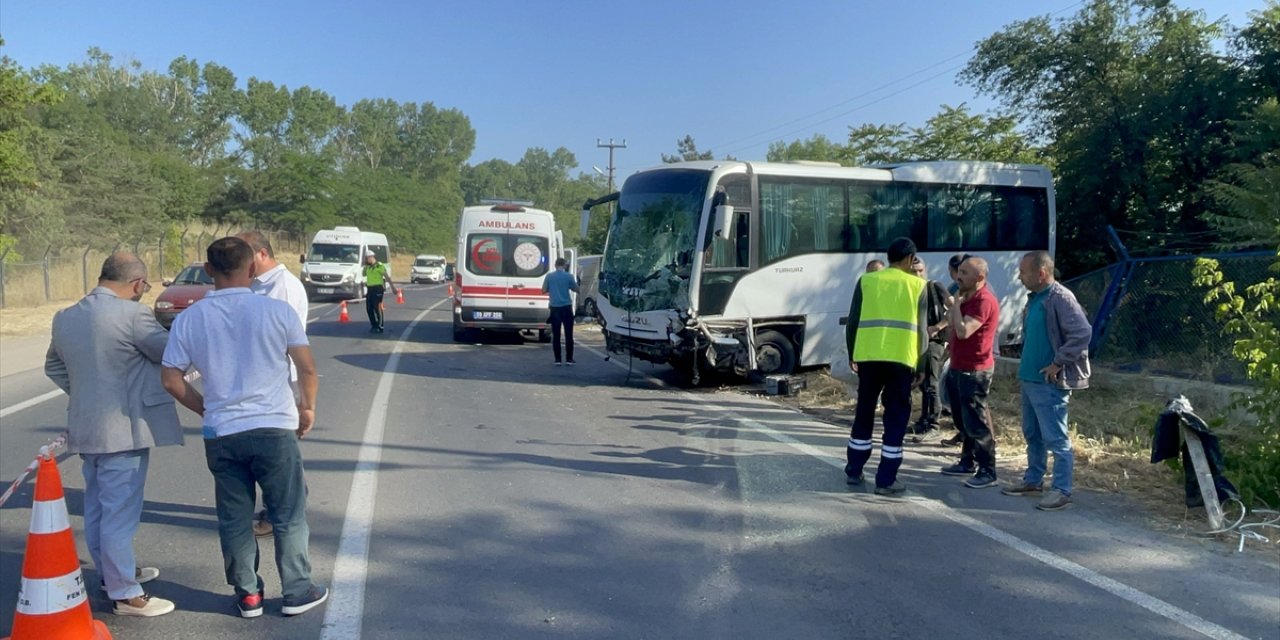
[(886, 333)]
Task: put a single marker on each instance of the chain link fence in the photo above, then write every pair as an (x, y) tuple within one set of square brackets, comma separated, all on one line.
[(37, 276), (1149, 317)]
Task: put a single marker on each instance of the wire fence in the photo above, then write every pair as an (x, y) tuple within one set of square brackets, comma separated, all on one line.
[(1149, 316), (45, 275)]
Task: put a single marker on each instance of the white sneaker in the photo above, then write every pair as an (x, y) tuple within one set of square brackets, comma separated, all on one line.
[(143, 606), (146, 574)]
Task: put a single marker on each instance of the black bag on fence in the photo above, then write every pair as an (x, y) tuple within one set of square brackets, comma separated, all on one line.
[(1168, 443)]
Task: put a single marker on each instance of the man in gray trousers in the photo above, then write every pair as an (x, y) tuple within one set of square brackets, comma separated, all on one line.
[(105, 353)]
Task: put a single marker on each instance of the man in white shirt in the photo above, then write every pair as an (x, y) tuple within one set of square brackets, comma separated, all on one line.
[(241, 343), (274, 281)]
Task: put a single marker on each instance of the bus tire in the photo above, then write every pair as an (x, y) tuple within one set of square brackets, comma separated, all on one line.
[(775, 353)]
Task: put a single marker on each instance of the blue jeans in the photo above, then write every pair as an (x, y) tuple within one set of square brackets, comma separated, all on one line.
[(270, 458), (1044, 424), (113, 484)]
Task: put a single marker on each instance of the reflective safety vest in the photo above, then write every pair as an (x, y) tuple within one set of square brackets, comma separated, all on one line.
[(888, 326)]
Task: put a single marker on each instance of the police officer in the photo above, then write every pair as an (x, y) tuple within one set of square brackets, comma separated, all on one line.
[(377, 281), (886, 333)]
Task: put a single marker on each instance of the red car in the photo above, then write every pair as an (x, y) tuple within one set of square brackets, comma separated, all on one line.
[(181, 292)]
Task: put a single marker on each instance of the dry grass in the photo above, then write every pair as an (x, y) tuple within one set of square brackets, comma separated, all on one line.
[(1111, 431)]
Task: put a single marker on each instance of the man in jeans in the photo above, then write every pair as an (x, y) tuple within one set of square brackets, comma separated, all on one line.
[(273, 280), (242, 343), (1055, 361), (974, 319), (558, 284)]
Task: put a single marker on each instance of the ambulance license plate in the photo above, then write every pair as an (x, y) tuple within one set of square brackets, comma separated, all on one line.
[(324, 290), (488, 315)]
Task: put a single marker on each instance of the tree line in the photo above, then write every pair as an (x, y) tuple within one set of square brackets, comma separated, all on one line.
[(103, 152), (1153, 119)]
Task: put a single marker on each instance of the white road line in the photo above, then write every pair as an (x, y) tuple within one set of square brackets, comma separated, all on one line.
[(1085, 574), (345, 611), (12, 409), (45, 397)]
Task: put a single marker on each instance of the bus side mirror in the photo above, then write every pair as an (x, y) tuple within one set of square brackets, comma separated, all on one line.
[(723, 218), (586, 219)]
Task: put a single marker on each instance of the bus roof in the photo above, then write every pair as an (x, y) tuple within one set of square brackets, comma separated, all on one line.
[(940, 171)]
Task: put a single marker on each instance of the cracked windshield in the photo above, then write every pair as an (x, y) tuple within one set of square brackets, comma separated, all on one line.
[(650, 254)]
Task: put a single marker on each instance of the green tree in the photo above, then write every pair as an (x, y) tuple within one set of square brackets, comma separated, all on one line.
[(686, 150), (26, 150), (1134, 103)]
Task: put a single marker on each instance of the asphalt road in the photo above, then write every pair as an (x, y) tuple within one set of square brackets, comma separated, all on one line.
[(475, 491)]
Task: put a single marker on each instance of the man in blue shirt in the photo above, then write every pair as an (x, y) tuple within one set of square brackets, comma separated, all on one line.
[(558, 284), (1055, 362)]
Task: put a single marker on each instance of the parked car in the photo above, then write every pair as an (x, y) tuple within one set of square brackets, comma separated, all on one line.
[(187, 288), (588, 286), (427, 268)]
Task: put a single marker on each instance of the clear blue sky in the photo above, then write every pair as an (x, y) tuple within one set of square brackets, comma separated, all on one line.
[(552, 73)]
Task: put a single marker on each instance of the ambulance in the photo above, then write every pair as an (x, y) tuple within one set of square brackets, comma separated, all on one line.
[(505, 250)]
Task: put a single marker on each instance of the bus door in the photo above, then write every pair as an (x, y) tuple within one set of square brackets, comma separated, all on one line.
[(727, 260)]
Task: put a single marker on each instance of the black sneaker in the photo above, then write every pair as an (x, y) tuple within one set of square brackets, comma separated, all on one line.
[(313, 598), (981, 480), (954, 441), (250, 606), (895, 489), (957, 469), (855, 481), (569, 363)]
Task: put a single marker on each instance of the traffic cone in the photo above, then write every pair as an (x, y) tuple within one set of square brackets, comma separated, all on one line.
[(52, 601), (400, 295), (342, 312), (450, 289)]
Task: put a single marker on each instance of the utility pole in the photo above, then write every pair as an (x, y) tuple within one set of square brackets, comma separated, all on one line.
[(611, 146)]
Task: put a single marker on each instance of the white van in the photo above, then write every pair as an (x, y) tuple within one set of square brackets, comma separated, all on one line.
[(332, 266), (427, 268), (504, 252)]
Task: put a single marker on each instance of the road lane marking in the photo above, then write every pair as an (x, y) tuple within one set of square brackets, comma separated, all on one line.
[(1081, 572), (45, 397), (345, 611)]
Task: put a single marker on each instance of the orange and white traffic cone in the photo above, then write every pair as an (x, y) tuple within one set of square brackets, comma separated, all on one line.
[(52, 601), (342, 312), (400, 295)]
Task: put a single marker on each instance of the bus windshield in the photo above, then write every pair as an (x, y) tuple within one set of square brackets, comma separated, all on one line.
[(652, 240)]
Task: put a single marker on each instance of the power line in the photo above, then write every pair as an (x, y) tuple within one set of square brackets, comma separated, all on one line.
[(849, 111), (844, 102), (733, 145)]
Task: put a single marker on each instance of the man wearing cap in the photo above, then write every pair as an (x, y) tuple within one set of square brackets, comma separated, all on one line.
[(886, 333), (376, 281)]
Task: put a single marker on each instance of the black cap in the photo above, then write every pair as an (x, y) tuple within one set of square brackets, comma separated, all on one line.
[(957, 259)]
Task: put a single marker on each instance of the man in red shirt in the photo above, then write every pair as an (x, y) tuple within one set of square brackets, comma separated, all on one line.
[(974, 319)]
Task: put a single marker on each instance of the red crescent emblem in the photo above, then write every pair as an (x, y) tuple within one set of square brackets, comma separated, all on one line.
[(485, 254)]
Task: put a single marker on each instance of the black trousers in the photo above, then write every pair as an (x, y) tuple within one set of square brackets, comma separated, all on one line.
[(967, 391), (930, 407), (888, 383), (373, 305), (562, 321)]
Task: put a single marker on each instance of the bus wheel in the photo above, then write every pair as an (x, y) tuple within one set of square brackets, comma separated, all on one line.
[(775, 353)]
